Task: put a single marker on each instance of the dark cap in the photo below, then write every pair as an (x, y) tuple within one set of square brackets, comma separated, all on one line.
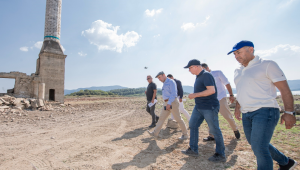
[(240, 45), (169, 75), (193, 62), (160, 73)]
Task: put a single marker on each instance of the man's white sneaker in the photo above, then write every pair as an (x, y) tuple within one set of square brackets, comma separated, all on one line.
[(183, 137), (152, 134)]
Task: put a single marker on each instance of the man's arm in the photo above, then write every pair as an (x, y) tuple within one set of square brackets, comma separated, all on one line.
[(229, 89), (288, 102), (209, 91), (237, 111), (154, 95)]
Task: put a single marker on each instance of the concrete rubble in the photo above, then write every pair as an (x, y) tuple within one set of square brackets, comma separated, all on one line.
[(10, 103)]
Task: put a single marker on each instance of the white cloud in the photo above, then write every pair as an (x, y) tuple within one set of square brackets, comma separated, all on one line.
[(190, 26), (279, 51), (24, 49), (153, 12), (105, 37), (158, 35), (82, 54), (38, 44)]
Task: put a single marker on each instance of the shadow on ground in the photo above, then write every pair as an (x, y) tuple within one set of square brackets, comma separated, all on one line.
[(148, 156), (206, 151), (132, 134)]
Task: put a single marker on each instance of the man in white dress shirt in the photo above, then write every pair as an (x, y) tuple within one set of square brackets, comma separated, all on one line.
[(222, 81)]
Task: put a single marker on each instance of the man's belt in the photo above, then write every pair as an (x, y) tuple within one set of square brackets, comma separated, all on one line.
[(166, 100)]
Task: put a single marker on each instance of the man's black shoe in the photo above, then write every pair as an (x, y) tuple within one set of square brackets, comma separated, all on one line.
[(190, 152), (156, 119), (152, 126), (291, 165), (209, 138), (237, 134), (217, 158)]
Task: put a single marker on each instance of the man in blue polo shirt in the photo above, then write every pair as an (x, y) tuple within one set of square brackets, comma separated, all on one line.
[(207, 107)]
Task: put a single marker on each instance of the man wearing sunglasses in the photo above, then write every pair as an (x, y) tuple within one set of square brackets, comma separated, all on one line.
[(151, 96)]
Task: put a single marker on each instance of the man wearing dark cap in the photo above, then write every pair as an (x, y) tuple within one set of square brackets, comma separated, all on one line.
[(256, 81), (151, 96), (180, 95), (207, 107), (171, 104)]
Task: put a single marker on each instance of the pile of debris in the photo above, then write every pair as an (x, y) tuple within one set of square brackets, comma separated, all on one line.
[(8, 103)]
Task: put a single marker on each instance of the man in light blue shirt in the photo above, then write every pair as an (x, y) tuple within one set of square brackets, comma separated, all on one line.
[(171, 104)]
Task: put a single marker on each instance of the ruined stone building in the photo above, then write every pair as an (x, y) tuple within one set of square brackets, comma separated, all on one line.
[(48, 80)]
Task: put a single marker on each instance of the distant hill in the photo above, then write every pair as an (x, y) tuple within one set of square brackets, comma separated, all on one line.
[(103, 88), (294, 86)]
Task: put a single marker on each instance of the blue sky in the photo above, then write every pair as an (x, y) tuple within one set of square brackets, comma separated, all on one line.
[(110, 42)]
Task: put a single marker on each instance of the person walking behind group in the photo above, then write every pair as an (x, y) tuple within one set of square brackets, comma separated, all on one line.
[(151, 96), (180, 95), (222, 81), (256, 81), (207, 107), (171, 104)]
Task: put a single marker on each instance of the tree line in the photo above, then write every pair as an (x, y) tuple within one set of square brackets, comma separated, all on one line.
[(91, 93), (116, 92), (132, 92)]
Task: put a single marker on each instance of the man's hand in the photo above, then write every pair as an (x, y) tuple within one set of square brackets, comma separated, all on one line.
[(289, 120), (191, 96), (231, 99), (145, 92), (180, 100), (152, 101), (168, 107), (237, 111), (237, 115)]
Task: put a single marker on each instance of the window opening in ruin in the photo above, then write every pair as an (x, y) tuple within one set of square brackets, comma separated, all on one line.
[(7, 85), (52, 94)]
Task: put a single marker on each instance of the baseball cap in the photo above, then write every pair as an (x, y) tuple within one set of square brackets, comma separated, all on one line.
[(241, 44), (193, 62), (160, 73)]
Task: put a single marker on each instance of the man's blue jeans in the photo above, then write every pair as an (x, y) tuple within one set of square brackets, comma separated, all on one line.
[(259, 126), (211, 117)]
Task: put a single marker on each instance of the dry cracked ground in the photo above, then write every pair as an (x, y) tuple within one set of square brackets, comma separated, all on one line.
[(108, 134)]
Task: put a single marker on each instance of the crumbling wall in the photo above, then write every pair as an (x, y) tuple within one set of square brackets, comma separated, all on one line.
[(23, 84)]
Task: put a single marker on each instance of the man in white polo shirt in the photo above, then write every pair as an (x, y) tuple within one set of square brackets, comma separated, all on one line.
[(222, 81), (256, 81)]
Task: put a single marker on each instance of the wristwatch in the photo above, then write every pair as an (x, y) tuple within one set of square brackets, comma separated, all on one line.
[(290, 113)]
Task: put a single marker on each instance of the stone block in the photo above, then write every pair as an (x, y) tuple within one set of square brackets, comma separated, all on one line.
[(40, 103), (34, 104)]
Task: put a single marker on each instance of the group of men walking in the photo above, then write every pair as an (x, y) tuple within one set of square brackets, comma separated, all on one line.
[(256, 81)]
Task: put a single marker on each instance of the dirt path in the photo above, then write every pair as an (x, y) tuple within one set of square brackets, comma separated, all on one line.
[(105, 135)]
